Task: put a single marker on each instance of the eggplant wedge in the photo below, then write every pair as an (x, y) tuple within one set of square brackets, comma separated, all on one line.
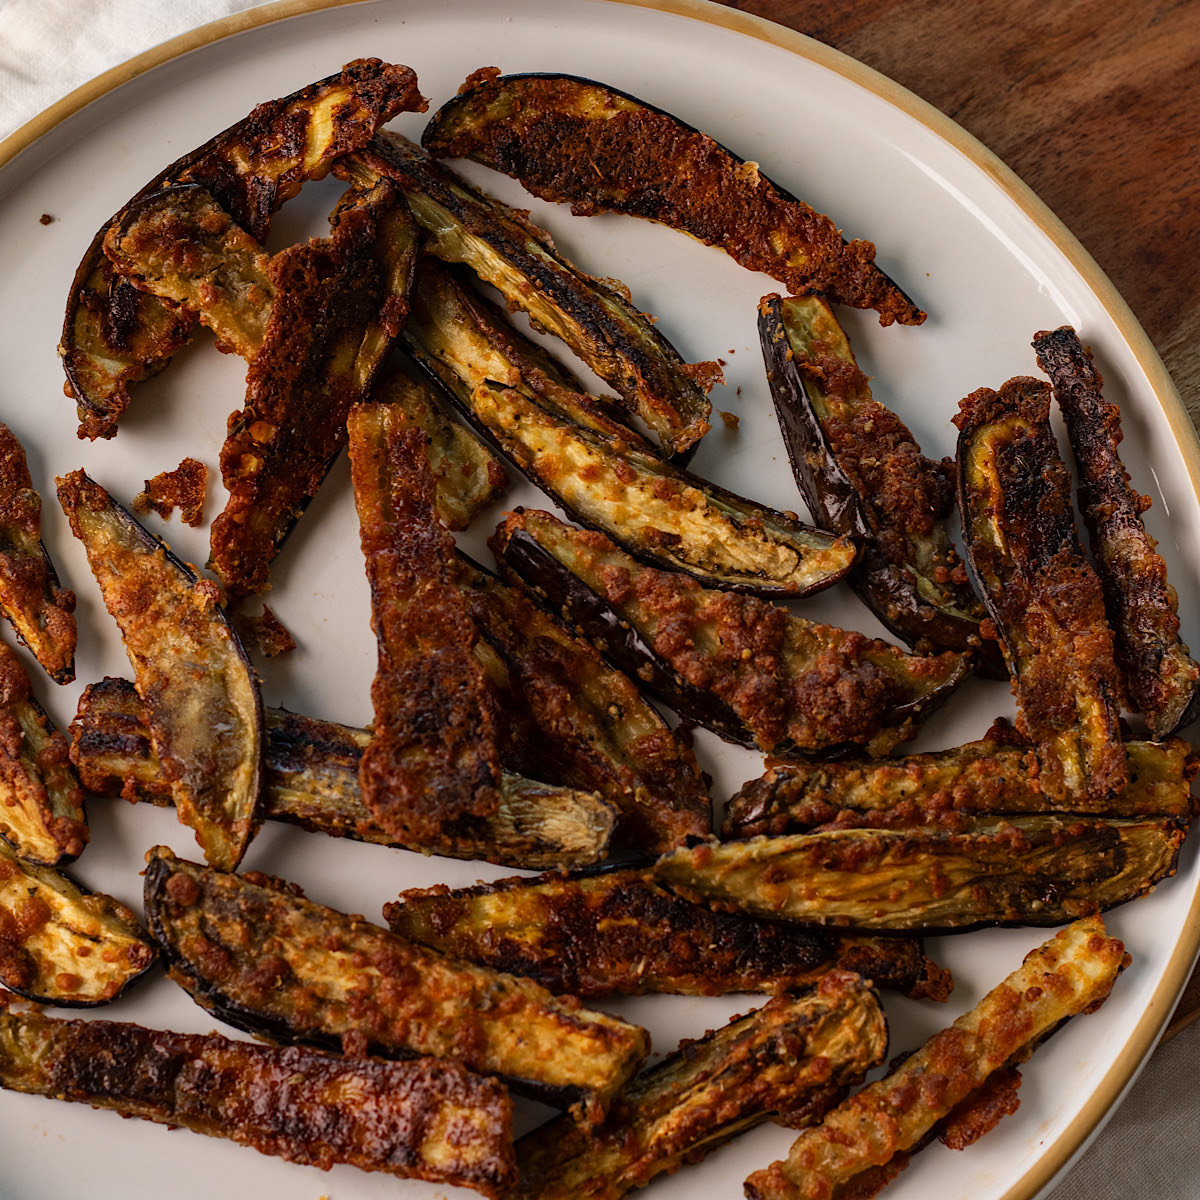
[(746, 669), (1072, 973), (1162, 678), (60, 944), (113, 335), (40, 610), (615, 931), (1014, 495), (312, 781), (602, 150), (417, 1120), (1042, 870), (990, 777), (202, 698), (862, 474), (598, 323), (261, 957), (595, 471), (791, 1060)]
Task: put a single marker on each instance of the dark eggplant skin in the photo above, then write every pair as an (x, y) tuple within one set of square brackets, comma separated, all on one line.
[(808, 360)]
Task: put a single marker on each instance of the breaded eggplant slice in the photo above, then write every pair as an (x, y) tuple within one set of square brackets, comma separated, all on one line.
[(60, 944), (203, 705), (868, 1138), (1162, 678), (1014, 495), (312, 781), (740, 666), (41, 804), (616, 932), (423, 1119), (113, 335), (791, 1059), (258, 955), (595, 471), (1041, 870), (574, 140), (598, 323), (862, 474), (40, 610), (989, 777)]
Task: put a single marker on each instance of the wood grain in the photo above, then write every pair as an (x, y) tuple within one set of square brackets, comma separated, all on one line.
[(1095, 104)]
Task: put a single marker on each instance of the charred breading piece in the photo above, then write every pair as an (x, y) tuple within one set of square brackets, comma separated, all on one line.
[(616, 931), (41, 804), (206, 722), (598, 323), (1162, 678), (564, 445), (113, 335), (1014, 494), (312, 781), (264, 633), (182, 489), (258, 955), (40, 610), (862, 473), (424, 1119), (62, 945), (1040, 870), (790, 1060), (746, 669), (430, 774), (602, 150), (867, 1139), (948, 787)]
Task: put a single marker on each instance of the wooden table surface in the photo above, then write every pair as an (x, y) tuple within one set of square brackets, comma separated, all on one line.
[(1095, 104)]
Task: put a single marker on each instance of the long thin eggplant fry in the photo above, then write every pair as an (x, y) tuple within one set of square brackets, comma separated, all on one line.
[(202, 698), (1162, 678), (425, 1119), (1042, 870), (617, 932), (113, 335), (602, 150), (600, 324), (1014, 494), (746, 669), (258, 955), (850, 1152), (791, 1059)]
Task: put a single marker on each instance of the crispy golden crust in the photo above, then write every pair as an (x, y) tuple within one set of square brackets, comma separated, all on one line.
[(423, 1119), (182, 488), (575, 140)]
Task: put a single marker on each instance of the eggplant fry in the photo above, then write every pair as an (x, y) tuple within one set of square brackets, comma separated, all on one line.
[(562, 443), (867, 1139), (986, 778), (206, 722), (1014, 494), (258, 955), (40, 610), (62, 945), (791, 1059), (424, 1119), (616, 932), (602, 150), (1041, 870), (598, 323), (862, 474), (1162, 678), (740, 666), (113, 335), (312, 782)]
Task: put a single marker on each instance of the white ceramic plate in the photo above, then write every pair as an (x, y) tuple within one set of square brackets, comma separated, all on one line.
[(990, 264)]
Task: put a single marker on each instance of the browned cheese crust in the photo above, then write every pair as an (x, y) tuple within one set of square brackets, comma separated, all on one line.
[(182, 488)]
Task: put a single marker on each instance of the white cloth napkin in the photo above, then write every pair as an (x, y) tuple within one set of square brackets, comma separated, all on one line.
[(50, 47)]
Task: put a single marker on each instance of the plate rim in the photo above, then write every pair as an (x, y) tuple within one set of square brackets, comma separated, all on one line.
[(1105, 1098)]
